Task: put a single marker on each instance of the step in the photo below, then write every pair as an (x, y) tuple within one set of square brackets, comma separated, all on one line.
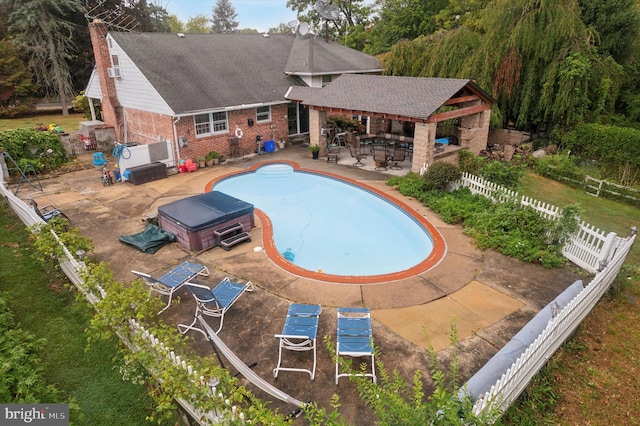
[(227, 230), (228, 243)]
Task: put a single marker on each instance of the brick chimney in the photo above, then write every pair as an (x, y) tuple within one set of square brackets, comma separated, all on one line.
[(111, 109)]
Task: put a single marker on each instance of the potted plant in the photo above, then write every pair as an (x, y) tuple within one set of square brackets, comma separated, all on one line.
[(315, 151), (211, 158), (201, 161)]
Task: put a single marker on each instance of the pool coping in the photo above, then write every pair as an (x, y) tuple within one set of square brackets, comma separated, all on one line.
[(435, 257)]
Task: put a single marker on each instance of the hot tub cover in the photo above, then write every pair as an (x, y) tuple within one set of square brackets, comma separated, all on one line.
[(205, 210), (150, 240)]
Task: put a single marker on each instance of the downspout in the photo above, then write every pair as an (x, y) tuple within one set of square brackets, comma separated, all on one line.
[(92, 108), (175, 141)]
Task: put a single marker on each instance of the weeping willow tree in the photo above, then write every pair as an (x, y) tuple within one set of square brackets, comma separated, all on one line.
[(536, 57)]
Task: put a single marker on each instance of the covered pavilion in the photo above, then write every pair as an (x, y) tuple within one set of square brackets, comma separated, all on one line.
[(412, 104)]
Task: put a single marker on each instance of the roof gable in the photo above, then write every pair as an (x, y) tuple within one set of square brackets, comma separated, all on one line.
[(313, 55)]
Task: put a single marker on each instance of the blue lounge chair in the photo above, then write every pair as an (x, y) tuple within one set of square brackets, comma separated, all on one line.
[(47, 212), (299, 334), (173, 280), (214, 302), (355, 338)]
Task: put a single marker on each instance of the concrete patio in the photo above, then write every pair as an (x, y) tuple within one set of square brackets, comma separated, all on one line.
[(489, 296)]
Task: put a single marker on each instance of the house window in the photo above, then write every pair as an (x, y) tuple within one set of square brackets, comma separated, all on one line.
[(219, 120), (114, 70), (203, 125), (263, 113), (326, 79), (207, 124)]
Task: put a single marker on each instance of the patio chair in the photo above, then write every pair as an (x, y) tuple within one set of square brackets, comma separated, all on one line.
[(398, 156), (235, 150), (380, 158), (357, 156), (333, 155), (47, 212), (173, 280), (299, 334), (214, 302), (355, 339)]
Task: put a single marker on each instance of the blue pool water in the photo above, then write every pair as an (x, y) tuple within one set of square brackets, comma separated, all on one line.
[(322, 223)]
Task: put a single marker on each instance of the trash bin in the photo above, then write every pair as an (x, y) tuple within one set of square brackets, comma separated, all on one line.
[(269, 146)]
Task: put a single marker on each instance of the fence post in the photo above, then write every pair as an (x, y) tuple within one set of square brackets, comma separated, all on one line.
[(605, 256)]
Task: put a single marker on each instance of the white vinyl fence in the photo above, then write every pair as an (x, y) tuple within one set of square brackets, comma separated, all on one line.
[(591, 249), (73, 269), (559, 329)]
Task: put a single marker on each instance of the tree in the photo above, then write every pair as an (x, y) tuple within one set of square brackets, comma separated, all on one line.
[(197, 24), (224, 15), (16, 86), (354, 17), (536, 57), (402, 19), (617, 23), (159, 18), (175, 24), (43, 32)]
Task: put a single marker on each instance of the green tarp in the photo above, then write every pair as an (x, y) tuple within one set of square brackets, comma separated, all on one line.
[(150, 240)]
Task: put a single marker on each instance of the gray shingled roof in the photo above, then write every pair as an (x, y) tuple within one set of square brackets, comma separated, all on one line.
[(394, 96), (207, 71), (314, 55)]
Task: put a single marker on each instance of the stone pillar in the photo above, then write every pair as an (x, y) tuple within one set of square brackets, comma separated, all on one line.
[(317, 122), (474, 131), (424, 139)]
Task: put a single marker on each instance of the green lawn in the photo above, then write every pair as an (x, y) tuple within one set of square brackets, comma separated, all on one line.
[(607, 215), (68, 123), (42, 305)]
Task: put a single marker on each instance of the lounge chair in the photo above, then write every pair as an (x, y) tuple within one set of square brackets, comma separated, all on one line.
[(355, 339), (357, 156), (214, 302), (48, 212), (398, 156), (173, 280), (299, 334)]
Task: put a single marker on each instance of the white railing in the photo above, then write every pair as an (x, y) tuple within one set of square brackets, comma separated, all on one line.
[(559, 329), (589, 248)]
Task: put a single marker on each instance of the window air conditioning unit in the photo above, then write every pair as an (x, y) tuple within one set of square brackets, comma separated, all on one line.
[(114, 72)]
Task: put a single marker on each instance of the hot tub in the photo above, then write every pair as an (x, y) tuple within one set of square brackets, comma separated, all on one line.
[(195, 220)]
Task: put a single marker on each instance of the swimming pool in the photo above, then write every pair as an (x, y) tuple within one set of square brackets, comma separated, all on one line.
[(333, 228)]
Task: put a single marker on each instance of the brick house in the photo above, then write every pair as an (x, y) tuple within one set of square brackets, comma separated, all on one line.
[(200, 90)]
